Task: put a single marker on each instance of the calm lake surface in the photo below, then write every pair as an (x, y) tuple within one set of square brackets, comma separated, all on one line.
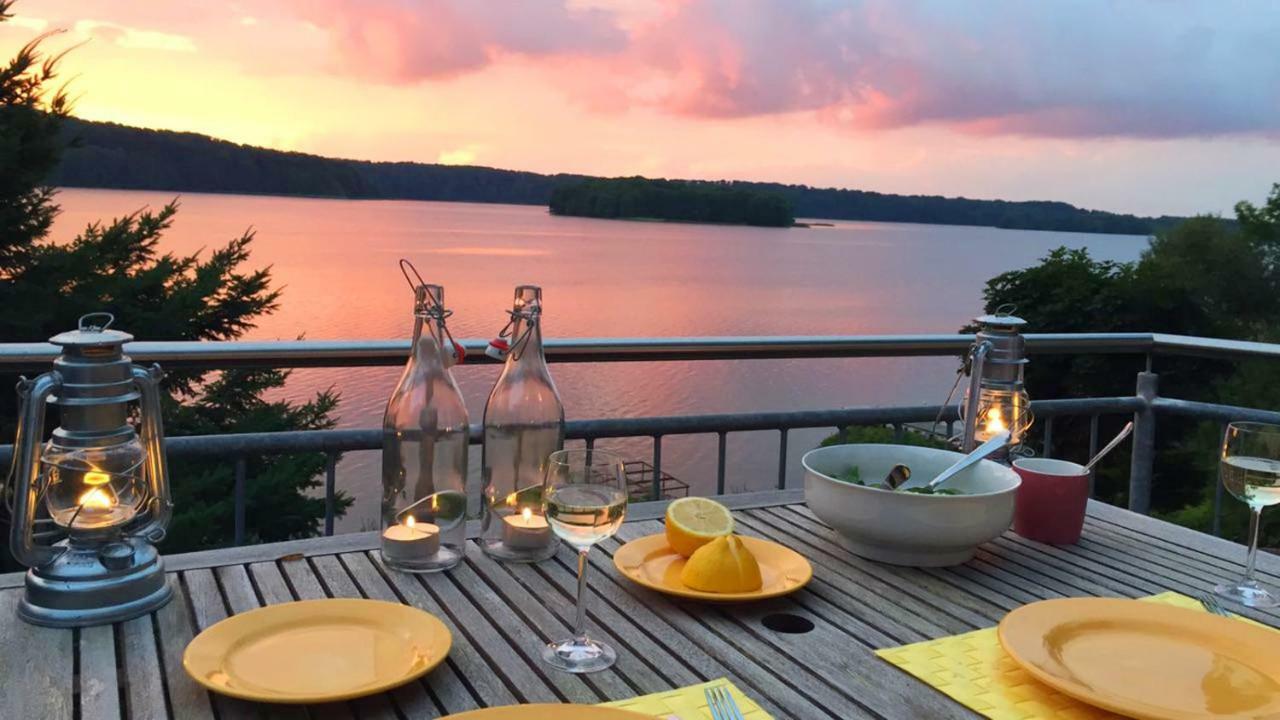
[(336, 260)]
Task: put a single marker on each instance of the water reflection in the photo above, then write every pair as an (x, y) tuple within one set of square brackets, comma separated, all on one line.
[(335, 260)]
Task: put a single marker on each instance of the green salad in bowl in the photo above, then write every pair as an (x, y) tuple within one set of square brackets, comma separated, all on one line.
[(854, 477)]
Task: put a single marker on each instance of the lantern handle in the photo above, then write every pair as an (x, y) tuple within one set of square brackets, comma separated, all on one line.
[(977, 359), (33, 396), (88, 325), (157, 467)]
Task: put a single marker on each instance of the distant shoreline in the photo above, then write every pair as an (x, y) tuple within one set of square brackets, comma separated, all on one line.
[(806, 222), (112, 156)]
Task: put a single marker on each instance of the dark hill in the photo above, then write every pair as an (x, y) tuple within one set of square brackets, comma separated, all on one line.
[(107, 155)]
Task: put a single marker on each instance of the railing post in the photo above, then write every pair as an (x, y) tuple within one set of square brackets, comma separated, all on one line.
[(1093, 450), (241, 471), (657, 468), (720, 452), (1217, 496), (782, 461), (330, 491), (1144, 445)]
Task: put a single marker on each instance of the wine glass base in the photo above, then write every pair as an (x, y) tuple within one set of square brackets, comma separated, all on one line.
[(579, 657), (1248, 593)]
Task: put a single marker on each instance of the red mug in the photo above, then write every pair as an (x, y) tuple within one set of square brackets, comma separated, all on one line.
[(1051, 501)]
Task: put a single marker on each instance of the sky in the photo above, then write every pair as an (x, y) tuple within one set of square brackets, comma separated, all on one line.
[(1145, 106)]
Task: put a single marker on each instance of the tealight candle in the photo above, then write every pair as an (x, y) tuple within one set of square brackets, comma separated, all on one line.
[(525, 530), (410, 541)]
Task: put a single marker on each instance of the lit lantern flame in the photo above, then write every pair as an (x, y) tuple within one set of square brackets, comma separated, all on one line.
[(96, 477), (97, 498), (409, 521), (995, 422), (526, 514)]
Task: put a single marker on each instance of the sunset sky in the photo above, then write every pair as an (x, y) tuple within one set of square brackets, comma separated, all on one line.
[(1149, 107)]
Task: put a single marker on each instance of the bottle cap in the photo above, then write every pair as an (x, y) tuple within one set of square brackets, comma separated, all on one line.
[(498, 349), (454, 353)]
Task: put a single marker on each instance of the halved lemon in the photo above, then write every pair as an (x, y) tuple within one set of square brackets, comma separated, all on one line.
[(723, 565), (694, 521)]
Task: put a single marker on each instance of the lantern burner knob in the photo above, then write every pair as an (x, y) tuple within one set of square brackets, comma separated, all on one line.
[(116, 555)]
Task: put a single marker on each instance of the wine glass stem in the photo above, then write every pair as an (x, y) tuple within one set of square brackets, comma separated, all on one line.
[(580, 624), (1255, 519)]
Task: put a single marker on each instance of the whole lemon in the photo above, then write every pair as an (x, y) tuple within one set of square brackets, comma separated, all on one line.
[(695, 521), (724, 565)]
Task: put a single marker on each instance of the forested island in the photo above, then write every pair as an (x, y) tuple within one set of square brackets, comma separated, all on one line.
[(107, 155), (638, 198)]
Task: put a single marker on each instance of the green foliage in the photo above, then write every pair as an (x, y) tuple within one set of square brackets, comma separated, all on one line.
[(116, 156), (642, 198), (1205, 277), (879, 434), (29, 118), (119, 267)]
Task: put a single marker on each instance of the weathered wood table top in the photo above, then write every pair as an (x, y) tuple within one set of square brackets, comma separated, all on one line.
[(501, 614)]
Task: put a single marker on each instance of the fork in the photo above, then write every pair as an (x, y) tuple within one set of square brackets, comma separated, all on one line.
[(722, 704), (1212, 604)]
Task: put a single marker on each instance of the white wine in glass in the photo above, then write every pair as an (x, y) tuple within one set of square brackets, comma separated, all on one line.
[(1250, 470), (584, 494), (583, 515)]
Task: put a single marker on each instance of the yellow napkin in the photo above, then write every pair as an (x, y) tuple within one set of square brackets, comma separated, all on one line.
[(690, 703), (974, 670)]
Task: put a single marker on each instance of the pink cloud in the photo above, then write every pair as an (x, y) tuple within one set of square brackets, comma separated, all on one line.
[(404, 41), (1142, 68)]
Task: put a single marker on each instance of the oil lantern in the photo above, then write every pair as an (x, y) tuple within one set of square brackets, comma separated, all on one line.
[(90, 503), (996, 399)]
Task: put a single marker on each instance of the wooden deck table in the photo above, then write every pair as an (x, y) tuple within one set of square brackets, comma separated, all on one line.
[(500, 615)]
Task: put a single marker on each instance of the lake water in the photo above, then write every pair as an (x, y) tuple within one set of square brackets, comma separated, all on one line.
[(336, 260)]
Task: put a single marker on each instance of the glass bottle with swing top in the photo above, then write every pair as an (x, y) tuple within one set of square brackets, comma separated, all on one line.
[(523, 425), (424, 448)]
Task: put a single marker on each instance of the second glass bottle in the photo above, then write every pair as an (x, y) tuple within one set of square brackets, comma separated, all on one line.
[(523, 425)]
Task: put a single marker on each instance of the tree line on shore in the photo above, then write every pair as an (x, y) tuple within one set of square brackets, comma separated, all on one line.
[(107, 155)]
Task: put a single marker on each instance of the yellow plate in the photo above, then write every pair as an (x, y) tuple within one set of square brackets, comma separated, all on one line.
[(549, 712), (651, 562), (1147, 660), (317, 651)]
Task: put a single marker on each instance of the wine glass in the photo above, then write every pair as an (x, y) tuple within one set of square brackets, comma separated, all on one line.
[(585, 498), (1250, 471)]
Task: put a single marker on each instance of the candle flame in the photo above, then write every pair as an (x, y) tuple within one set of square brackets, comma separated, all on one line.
[(995, 421), (97, 498), (96, 477), (526, 513), (410, 522)]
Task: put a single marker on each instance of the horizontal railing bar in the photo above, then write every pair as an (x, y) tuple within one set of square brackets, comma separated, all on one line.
[(27, 357), (331, 441), (1189, 346), (1213, 411)]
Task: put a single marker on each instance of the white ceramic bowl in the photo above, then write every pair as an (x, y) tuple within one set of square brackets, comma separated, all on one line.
[(908, 528)]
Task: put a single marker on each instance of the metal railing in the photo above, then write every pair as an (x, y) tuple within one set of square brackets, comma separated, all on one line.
[(1144, 405)]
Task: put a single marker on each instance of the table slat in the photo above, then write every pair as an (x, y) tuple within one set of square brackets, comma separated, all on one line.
[(99, 682), (40, 659), (176, 628)]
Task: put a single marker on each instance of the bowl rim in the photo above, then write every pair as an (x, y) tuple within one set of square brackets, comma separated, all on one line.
[(914, 497)]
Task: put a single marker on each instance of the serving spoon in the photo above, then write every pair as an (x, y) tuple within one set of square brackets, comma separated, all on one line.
[(1124, 433), (901, 473)]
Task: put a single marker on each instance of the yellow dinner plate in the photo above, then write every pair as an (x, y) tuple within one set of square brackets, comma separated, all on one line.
[(1147, 660), (651, 562), (317, 651), (549, 712)]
